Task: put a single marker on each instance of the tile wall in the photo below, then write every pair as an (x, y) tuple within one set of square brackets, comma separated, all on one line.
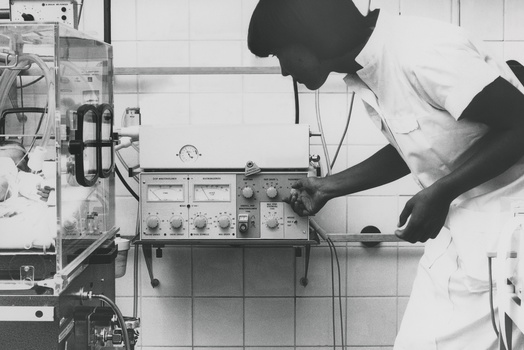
[(251, 298)]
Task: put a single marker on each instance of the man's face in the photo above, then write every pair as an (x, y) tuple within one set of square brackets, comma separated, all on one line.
[(303, 65)]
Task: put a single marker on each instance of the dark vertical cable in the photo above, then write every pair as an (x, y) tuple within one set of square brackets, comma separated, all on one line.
[(107, 21), (297, 109)]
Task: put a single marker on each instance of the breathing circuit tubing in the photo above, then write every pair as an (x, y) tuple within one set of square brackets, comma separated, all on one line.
[(8, 77), (116, 310)]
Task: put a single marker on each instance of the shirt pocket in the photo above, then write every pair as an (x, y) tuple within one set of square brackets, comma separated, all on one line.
[(402, 125)]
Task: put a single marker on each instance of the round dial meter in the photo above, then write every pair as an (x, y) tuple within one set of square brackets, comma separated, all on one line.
[(188, 154)]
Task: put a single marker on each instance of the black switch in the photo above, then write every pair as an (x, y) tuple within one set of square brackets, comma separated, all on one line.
[(27, 17)]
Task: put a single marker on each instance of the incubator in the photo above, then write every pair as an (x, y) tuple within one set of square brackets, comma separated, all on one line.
[(56, 110), (57, 225)]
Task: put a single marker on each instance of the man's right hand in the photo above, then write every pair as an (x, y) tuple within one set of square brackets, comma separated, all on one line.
[(306, 196)]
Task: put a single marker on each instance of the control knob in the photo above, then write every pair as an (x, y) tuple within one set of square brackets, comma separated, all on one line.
[(152, 221), (200, 221), (176, 222), (272, 192), (224, 221), (247, 192), (272, 222)]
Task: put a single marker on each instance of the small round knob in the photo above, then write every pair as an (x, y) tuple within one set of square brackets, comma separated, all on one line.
[(153, 221), (272, 192), (272, 222), (200, 221), (224, 221), (176, 222), (247, 192)]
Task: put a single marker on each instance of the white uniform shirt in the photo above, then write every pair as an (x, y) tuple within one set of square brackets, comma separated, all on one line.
[(418, 76)]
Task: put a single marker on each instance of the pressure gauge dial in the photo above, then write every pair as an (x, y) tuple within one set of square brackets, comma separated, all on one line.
[(188, 154)]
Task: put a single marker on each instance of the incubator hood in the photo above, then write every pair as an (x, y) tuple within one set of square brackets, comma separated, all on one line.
[(56, 118)]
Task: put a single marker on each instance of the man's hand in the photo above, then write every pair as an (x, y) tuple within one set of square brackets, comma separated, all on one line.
[(427, 212), (306, 196)]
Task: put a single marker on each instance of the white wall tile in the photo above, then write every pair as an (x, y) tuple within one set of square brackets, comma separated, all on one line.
[(380, 212), (314, 322), (164, 109), (484, 18), (124, 20), (248, 6), (163, 83), (217, 272), (269, 272), (269, 108), (173, 271), (166, 322), (373, 321), (218, 322), (391, 6), (319, 273), (215, 83), (215, 53), (125, 54), (256, 83), (161, 20), (269, 321), (435, 9), (126, 209), (378, 266), (162, 53), (514, 51), (216, 108), (513, 24), (215, 20)]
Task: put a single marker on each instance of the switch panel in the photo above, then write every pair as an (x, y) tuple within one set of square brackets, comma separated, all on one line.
[(219, 206)]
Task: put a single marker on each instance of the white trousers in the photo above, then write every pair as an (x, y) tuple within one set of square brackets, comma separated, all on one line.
[(448, 309)]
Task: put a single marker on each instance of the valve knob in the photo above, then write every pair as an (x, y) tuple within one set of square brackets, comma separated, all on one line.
[(272, 192), (200, 221), (176, 222), (152, 221), (272, 222), (247, 192), (224, 221)]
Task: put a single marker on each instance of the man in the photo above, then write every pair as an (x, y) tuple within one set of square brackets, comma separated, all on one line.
[(453, 115)]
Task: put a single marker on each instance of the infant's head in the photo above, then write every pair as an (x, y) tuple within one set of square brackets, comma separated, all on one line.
[(12, 156), (15, 151)]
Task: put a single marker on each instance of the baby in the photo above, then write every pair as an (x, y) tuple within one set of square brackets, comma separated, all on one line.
[(16, 178)]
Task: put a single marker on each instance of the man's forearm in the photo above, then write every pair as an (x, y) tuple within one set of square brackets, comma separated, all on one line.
[(495, 153), (381, 168)]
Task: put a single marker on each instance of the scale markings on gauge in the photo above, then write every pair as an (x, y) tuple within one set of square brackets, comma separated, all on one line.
[(188, 154)]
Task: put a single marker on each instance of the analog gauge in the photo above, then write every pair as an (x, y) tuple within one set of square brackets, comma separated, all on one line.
[(165, 193), (212, 193), (188, 154)]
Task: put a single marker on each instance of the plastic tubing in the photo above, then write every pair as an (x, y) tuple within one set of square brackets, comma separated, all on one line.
[(119, 316), (320, 129), (8, 77)]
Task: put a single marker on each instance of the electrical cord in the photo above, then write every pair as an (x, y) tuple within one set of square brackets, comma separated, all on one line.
[(345, 130), (297, 104), (491, 307), (321, 130), (119, 174), (333, 251)]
